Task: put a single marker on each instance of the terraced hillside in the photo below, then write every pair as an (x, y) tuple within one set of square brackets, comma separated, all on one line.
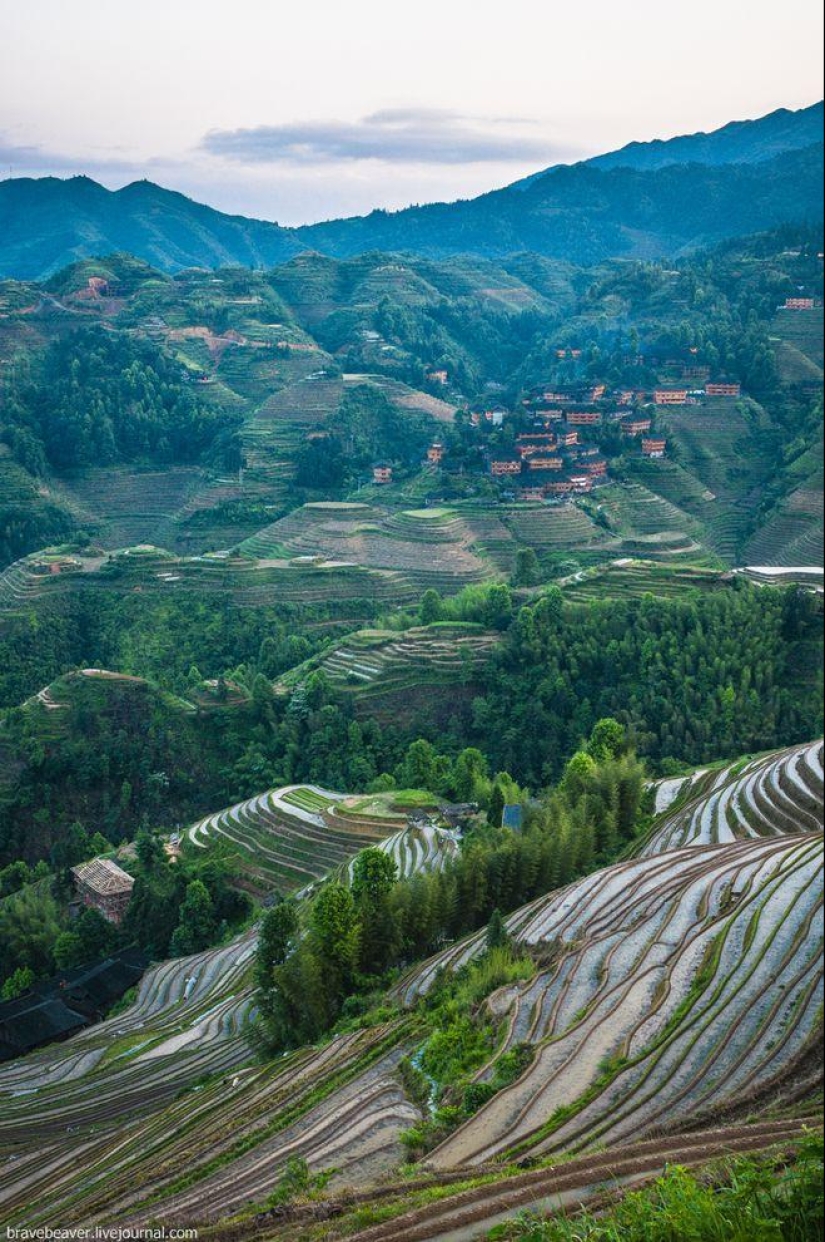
[(246, 582), (186, 1023), (278, 427), (451, 1206), (776, 795), (415, 849), (557, 529), (672, 990), (629, 576), (799, 333), (173, 1114), (651, 526), (680, 984), (125, 507), (288, 838), (428, 547), (730, 449), (393, 675)]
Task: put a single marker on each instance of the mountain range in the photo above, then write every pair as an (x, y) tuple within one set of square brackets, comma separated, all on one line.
[(646, 200)]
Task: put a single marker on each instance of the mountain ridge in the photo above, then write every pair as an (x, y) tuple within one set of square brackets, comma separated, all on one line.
[(645, 200)]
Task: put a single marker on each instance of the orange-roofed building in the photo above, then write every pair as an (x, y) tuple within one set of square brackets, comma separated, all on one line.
[(670, 396), (722, 390)]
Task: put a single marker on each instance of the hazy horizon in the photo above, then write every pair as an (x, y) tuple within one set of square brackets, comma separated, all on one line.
[(322, 113)]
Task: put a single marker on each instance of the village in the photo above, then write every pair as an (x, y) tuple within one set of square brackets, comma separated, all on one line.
[(557, 441)]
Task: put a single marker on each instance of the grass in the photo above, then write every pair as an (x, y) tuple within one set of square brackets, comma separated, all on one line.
[(742, 1200), (379, 806)]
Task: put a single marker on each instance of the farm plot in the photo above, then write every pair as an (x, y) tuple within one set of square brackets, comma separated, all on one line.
[(186, 1023), (417, 849), (558, 528), (289, 838), (648, 523), (681, 984), (426, 548), (803, 331), (776, 795), (133, 507), (629, 577), (731, 452), (457, 1207), (383, 660), (791, 537), (221, 1140)]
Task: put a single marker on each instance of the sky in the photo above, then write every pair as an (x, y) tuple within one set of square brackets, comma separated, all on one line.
[(304, 110)]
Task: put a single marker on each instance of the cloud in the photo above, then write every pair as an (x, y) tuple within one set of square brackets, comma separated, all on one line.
[(25, 158), (392, 135)]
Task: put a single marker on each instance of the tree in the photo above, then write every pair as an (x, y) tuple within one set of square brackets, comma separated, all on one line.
[(276, 936), (17, 984), (431, 607), (469, 775), (495, 811), (373, 876), (497, 934), (578, 773), (498, 608), (196, 926), (150, 851), (419, 766), (526, 572), (68, 950), (335, 930), (608, 739), (29, 926)]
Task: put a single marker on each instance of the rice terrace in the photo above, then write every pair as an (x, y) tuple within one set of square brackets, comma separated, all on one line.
[(411, 670)]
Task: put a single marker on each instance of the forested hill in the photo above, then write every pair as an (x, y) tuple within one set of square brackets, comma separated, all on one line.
[(740, 142), (648, 199), (47, 223), (586, 215)]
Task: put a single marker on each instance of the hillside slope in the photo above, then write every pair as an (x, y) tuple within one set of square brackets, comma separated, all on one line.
[(48, 222), (671, 992), (586, 214)]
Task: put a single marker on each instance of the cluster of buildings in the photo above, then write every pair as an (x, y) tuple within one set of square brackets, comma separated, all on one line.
[(56, 1008), (550, 464), (551, 446), (382, 471)]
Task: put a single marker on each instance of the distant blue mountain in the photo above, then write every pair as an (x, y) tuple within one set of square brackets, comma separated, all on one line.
[(648, 199)]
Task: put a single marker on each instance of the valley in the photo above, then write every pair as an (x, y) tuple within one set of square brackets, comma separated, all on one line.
[(411, 763)]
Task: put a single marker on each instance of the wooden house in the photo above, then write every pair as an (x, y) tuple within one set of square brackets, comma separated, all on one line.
[(670, 396), (635, 426), (721, 389), (500, 466), (104, 886), (559, 487)]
